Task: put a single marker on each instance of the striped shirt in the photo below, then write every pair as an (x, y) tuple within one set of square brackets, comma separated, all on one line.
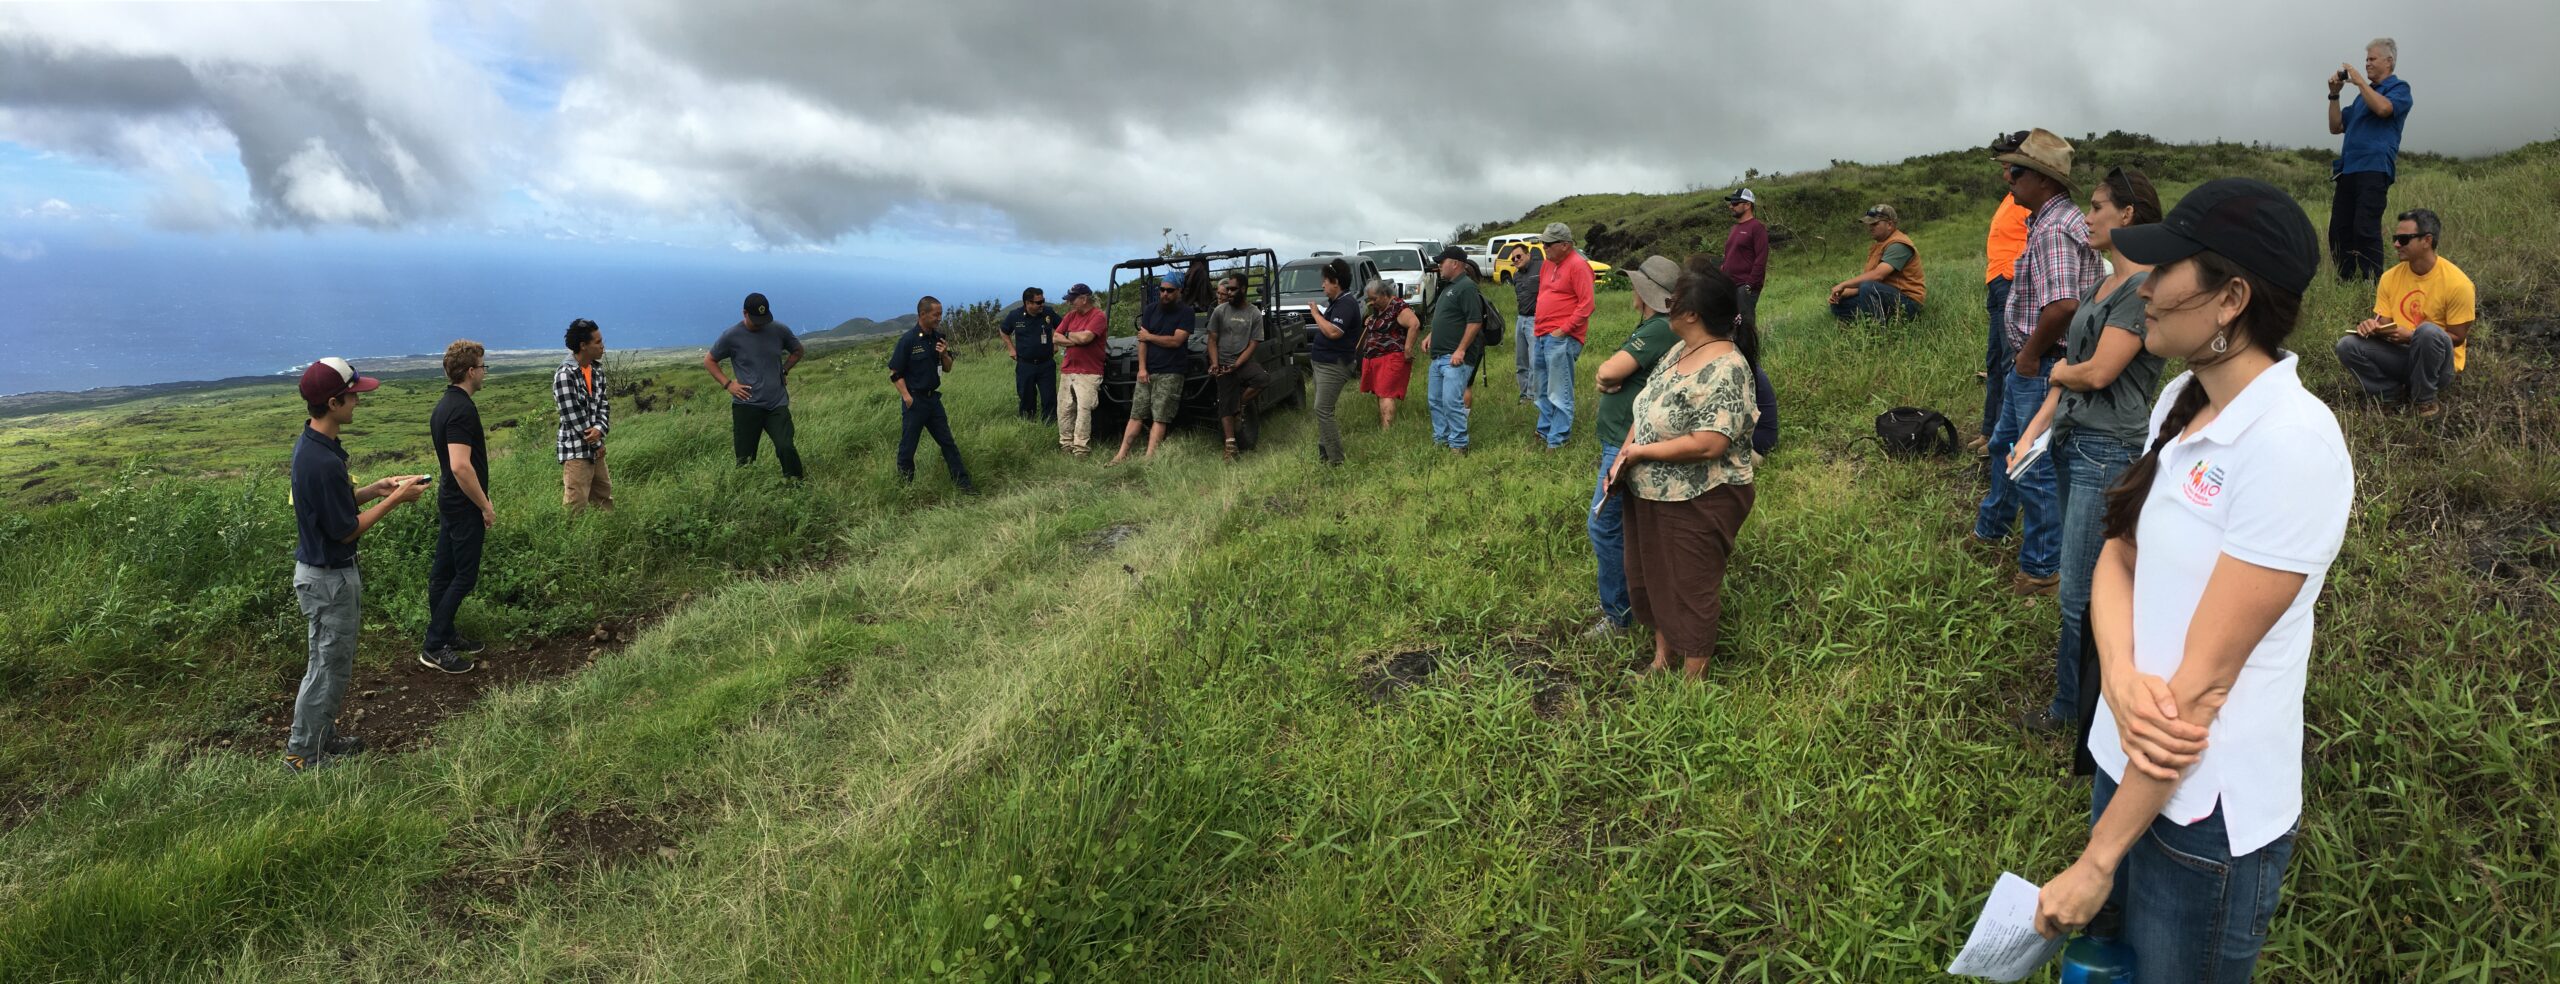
[(584, 403), (2057, 266)]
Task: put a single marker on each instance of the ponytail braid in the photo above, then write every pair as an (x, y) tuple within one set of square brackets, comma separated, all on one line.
[(2124, 501)]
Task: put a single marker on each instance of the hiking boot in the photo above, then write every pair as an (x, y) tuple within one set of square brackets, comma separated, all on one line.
[(342, 744), (2029, 585), (307, 763), (2429, 410), (1980, 446), (968, 488), (446, 660)]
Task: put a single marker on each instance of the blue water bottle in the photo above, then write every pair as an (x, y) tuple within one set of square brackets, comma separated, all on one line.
[(2097, 955)]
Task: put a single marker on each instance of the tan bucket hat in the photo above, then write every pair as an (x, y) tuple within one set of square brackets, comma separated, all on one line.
[(1653, 280), (2044, 154)]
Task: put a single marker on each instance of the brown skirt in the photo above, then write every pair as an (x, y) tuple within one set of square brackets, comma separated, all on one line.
[(1676, 556)]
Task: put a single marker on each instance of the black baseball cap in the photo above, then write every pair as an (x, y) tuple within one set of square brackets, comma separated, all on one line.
[(2247, 221), (758, 310), (1453, 253)]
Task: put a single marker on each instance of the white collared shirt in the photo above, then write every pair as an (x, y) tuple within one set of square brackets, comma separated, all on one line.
[(2269, 483)]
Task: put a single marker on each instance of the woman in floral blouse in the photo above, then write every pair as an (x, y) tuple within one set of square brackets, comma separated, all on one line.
[(1386, 368), (1686, 468)]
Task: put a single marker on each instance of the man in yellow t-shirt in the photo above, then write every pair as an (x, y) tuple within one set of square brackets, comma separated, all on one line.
[(2422, 317)]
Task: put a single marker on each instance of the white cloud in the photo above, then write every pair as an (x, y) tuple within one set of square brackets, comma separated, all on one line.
[(21, 251), (313, 183)]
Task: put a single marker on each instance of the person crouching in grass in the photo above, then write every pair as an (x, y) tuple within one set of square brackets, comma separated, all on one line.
[(1686, 466), (2219, 540), (325, 580)]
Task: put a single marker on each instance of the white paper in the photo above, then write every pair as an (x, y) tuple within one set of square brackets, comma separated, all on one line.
[(2043, 443), (2004, 945)]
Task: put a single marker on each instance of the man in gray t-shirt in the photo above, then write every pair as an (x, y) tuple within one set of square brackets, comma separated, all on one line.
[(1235, 330), (760, 352)]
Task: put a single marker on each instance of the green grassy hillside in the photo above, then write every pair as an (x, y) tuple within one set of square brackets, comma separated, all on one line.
[(1192, 721)]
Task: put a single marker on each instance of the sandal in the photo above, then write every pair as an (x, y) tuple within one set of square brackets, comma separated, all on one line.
[(1231, 449)]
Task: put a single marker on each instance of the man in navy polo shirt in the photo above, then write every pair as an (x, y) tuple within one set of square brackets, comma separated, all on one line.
[(1035, 356), (325, 582), (916, 365), (1164, 334), (2368, 159)]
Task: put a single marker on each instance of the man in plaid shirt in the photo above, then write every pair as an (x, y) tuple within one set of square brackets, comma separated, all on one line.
[(2056, 271), (586, 413)]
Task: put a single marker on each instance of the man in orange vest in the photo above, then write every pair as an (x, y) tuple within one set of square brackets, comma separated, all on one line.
[(2000, 249), (1891, 285)]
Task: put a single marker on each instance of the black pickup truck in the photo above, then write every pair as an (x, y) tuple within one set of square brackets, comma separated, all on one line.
[(1282, 353)]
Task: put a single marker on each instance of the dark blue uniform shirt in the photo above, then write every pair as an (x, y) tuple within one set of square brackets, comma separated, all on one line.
[(324, 502), (1030, 334), (913, 360)]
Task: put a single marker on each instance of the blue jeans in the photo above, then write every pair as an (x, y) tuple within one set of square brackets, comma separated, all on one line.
[(1523, 342), (1996, 355), (2192, 912), (1608, 528), (2033, 494), (1449, 402), (1877, 301), (2084, 465), (1555, 361)]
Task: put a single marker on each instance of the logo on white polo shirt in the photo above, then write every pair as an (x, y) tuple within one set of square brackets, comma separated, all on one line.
[(2204, 481)]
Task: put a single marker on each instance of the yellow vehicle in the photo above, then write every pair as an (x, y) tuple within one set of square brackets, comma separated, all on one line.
[(1500, 248)]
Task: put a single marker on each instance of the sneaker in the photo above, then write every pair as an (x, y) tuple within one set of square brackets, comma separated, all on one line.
[(307, 763), (468, 646), (342, 744), (1605, 627), (906, 478), (446, 660), (2429, 410), (968, 488), (2031, 586)]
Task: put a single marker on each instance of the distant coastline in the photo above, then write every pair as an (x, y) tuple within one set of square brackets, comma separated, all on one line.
[(394, 367)]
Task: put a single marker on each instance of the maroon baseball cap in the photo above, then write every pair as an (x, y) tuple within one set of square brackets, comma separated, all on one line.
[(331, 378)]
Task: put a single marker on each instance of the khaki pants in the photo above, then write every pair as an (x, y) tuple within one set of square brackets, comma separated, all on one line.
[(584, 482), (1078, 395)]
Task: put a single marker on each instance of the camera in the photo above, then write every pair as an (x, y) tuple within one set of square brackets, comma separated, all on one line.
[(2340, 78)]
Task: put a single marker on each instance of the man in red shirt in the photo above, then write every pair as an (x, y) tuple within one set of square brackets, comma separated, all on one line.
[(1081, 333), (1564, 319)]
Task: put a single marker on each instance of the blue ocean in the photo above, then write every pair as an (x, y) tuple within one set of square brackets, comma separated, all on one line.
[(153, 312)]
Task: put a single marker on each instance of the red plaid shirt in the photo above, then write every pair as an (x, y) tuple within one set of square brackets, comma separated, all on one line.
[(2057, 266)]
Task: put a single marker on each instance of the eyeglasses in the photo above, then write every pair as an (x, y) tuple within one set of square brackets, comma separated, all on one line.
[(2403, 239)]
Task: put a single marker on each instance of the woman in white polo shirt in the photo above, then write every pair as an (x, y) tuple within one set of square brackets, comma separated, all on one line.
[(2218, 541)]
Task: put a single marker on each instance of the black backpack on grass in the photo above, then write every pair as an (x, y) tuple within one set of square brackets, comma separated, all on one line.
[(1908, 432)]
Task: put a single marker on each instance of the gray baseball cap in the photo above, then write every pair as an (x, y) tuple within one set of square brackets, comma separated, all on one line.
[(1557, 232)]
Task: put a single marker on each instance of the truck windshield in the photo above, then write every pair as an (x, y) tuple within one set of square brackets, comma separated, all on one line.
[(1394, 260), (1302, 280)]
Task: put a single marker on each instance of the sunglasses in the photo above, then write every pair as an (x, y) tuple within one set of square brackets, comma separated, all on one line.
[(2403, 239)]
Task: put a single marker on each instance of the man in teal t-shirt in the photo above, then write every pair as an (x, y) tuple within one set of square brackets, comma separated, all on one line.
[(1618, 380), (1457, 327)]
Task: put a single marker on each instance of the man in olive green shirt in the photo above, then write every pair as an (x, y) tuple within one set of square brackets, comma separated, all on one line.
[(1457, 321), (1618, 380)]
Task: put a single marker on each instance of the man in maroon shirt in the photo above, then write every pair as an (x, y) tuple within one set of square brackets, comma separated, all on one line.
[(1746, 251)]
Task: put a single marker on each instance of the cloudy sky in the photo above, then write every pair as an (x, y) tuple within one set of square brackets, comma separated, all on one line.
[(1037, 131)]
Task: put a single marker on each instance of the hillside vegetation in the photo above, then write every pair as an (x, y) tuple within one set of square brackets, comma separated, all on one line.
[(1191, 721)]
